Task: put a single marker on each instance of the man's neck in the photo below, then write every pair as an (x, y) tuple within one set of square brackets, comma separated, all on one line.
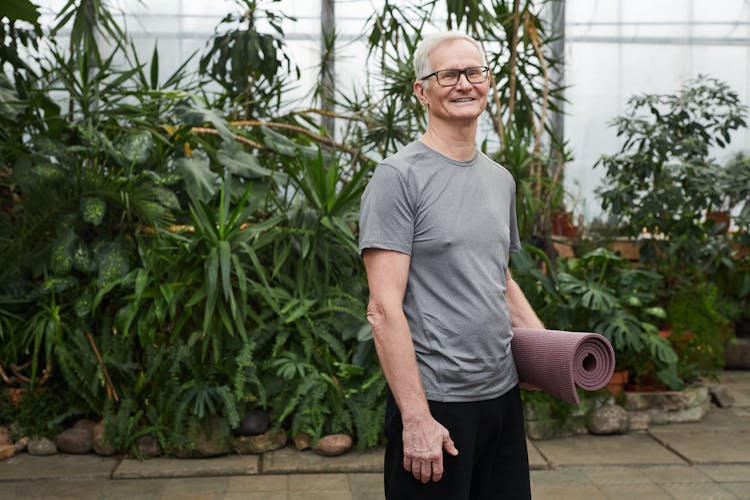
[(456, 142)]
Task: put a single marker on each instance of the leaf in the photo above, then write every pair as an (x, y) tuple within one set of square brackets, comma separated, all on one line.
[(21, 10), (225, 254), (136, 147), (93, 209), (200, 181), (246, 165), (141, 280), (155, 68), (197, 117)]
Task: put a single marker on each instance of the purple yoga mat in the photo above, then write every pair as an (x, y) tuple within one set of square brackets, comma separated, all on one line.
[(557, 361)]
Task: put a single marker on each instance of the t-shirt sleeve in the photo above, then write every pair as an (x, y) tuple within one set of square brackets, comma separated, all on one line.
[(386, 218)]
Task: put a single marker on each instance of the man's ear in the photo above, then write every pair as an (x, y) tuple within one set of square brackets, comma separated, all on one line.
[(418, 88)]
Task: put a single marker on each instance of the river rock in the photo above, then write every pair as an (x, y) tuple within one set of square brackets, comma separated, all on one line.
[(721, 396), (7, 451), (102, 445), (22, 443), (148, 446), (86, 423), (333, 444), (5, 437), (254, 423), (608, 419), (76, 441), (272, 439), (41, 446), (302, 441)]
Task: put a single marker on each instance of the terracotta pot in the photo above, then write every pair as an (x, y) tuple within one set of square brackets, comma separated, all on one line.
[(627, 249), (721, 219), (616, 384), (562, 224)]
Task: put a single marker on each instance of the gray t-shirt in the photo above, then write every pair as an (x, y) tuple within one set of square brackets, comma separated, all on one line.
[(457, 221)]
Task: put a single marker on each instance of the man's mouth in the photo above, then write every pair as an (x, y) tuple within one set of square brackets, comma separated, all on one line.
[(463, 99)]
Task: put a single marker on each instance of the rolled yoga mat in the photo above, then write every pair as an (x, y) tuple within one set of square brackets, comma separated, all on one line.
[(557, 361)]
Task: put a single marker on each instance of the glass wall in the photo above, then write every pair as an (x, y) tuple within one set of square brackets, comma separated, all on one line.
[(619, 48)]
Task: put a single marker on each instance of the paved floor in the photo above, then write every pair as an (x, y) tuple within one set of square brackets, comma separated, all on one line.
[(705, 460)]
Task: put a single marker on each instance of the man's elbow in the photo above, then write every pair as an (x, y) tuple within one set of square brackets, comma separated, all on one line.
[(379, 316), (375, 314)]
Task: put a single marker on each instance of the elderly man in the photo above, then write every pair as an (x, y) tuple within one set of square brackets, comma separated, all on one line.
[(437, 226)]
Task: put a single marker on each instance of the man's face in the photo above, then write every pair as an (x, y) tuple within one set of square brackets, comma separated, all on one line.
[(464, 101)]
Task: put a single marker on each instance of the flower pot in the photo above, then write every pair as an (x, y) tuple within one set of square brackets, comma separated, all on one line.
[(627, 249), (562, 224), (616, 384), (720, 219)]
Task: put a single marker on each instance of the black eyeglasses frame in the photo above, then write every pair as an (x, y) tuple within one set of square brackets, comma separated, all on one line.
[(485, 72)]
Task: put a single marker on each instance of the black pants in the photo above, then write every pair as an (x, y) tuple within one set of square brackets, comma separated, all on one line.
[(492, 461)]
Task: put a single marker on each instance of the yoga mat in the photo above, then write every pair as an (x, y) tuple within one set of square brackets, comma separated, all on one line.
[(557, 361)]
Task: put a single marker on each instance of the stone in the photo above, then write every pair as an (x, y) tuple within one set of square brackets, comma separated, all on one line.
[(639, 420), (302, 441), (542, 429), (608, 419), (693, 414), (333, 445), (669, 406), (75, 441), (86, 423), (721, 396), (102, 445), (41, 446), (254, 423), (5, 437), (211, 439), (7, 451), (272, 439), (22, 444), (658, 417), (148, 447)]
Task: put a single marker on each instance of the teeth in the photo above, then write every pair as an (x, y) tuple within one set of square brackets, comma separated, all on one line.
[(465, 99)]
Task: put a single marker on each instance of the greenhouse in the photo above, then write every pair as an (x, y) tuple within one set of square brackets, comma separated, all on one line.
[(193, 250)]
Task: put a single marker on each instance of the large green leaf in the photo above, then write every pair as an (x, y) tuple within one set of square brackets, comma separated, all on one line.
[(20, 10), (200, 181), (136, 146)]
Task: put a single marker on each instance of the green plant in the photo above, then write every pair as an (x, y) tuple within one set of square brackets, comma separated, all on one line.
[(547, 417), (247, 63), (600, 292), (700, 322), (663, 178), (171, 254), (45, 411)]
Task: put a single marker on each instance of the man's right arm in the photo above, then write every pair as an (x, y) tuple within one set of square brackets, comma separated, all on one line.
[(424, 438)]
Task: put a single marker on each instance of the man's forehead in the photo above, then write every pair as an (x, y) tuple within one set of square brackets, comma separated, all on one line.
[(447, 47)]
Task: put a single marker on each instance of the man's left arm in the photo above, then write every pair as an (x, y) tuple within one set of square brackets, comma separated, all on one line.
[(521, 312)]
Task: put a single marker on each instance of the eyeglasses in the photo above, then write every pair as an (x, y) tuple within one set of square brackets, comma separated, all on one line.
[(450, 77)]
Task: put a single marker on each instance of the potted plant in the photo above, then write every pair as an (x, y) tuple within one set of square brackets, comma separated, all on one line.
[(603, 293)]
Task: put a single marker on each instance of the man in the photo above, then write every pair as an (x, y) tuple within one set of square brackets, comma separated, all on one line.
[(437, 224)]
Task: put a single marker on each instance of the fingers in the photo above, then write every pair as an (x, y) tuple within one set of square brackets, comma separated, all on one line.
[(449, 446), (423, 450), (425, 471), (437, 470)]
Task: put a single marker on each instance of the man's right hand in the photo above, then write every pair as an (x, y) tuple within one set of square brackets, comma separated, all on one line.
[(424, 441)]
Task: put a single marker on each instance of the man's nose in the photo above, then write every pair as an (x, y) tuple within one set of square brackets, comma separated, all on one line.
[(463, 80)]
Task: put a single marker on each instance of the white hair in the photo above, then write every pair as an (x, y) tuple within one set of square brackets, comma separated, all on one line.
[(422, 66)]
